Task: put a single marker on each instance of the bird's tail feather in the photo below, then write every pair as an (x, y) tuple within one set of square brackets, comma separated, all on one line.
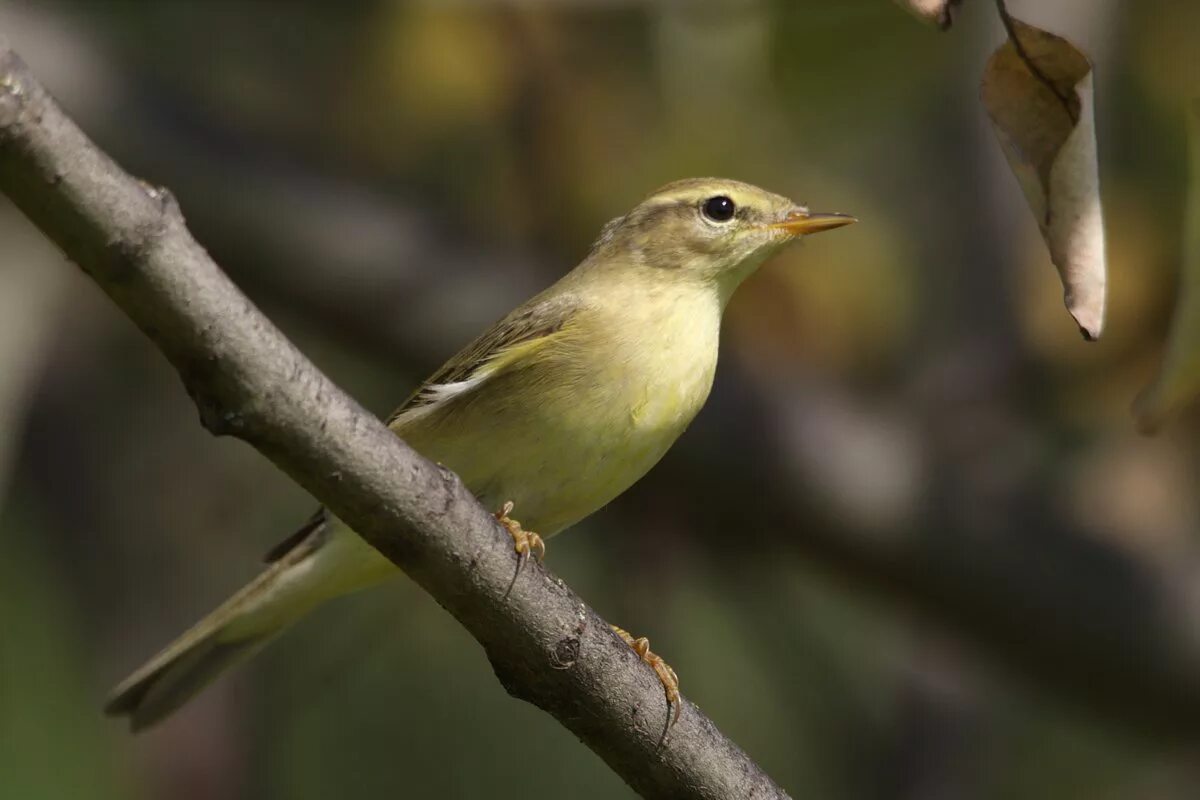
[(150, 697), (329, 560), (211, 646)]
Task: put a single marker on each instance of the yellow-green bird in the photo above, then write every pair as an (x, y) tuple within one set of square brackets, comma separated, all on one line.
[(557, 409)]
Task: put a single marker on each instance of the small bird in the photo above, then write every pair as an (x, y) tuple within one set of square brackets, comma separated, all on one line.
[(558, 408)]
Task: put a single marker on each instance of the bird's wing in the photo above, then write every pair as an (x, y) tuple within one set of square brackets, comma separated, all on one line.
[(511, 340)]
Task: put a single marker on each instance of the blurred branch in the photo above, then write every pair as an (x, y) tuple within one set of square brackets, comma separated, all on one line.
[(1037, 597), (247, 380)]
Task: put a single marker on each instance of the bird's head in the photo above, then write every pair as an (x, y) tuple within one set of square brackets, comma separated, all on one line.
[(710, 229)]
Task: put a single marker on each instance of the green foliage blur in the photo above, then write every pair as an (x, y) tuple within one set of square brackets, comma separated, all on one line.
[(913, 547)]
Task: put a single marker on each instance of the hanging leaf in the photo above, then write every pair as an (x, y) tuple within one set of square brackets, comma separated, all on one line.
[(1037, 89), (937, 12), (1178, 381)]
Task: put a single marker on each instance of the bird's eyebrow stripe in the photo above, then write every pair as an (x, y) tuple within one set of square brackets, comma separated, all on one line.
[(668, 202), (667, 205)]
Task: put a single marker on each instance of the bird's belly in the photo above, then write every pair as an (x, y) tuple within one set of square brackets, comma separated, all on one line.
[(567, 452)]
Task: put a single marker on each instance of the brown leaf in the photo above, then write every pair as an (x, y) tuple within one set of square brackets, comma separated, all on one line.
[(936, 12), (1039, 97), (1178, 381)]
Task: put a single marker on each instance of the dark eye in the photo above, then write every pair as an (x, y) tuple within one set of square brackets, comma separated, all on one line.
[(719, 208)]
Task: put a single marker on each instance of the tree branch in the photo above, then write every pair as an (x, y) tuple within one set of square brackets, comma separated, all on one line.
[(545, 645)]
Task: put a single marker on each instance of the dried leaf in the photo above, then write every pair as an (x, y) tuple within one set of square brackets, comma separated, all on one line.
[(1178, 381), (936, 12), (1039, 96)]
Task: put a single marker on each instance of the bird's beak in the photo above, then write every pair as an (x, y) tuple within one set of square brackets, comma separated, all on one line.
[(801, 223)]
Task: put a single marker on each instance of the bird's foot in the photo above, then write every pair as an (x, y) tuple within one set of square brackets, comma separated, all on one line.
[(524, 542), (670, 681)]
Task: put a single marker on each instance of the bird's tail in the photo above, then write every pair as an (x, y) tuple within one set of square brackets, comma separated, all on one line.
[(329, 560)]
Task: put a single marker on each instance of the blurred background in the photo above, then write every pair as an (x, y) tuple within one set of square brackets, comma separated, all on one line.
[(912, 548)]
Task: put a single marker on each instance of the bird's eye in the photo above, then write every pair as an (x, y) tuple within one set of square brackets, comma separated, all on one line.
[(719, 208)]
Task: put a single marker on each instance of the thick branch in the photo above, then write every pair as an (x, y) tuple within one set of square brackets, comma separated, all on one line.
[(544, 643)]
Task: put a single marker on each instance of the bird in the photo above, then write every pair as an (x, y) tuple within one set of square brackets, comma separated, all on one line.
[(552, 413)]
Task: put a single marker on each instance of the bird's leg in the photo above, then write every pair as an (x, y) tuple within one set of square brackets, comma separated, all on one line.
[(525, 542), (670, 681)]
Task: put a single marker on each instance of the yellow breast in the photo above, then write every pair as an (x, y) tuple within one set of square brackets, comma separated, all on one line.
[(674, 366), (599, 407)]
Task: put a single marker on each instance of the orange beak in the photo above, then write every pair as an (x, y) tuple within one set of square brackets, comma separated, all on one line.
[(802, 223)]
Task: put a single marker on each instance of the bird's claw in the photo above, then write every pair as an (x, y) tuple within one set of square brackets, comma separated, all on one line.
[(670, 681), (524, 542)]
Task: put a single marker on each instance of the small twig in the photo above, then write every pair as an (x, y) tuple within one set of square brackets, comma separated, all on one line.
[(1011, 29)]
